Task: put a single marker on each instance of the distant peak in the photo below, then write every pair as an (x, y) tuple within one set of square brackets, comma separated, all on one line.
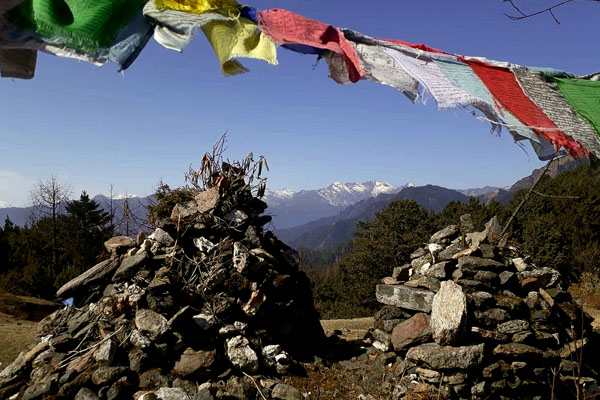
[(410, 184), (4, 204), (124, 196)]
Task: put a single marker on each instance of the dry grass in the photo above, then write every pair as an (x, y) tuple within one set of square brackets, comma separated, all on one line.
[(16, 335), (351, 329)]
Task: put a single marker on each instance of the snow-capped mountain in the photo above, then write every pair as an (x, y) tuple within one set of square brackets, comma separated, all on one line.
[(345, 194), (336, 194), (4, 204), (290, 208)]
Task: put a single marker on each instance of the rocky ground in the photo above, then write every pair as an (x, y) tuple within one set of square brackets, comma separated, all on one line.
[(363, 371)]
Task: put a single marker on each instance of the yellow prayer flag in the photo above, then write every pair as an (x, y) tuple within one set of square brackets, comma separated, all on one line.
[(199, 6), (239, 38)]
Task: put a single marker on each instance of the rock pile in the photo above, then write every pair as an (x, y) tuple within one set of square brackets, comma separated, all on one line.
[(470, 319), (199, 309)]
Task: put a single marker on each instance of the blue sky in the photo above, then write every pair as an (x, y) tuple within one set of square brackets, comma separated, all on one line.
[(94, 127)]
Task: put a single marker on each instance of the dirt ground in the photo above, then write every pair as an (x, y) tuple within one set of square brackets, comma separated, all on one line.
[(15, 336)]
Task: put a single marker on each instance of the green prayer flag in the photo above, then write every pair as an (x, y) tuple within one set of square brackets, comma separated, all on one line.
[(86, 25), (584, 97)]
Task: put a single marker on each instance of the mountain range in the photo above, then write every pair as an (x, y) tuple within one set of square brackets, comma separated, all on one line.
[(323, 218), (290, 208), (331, 231)]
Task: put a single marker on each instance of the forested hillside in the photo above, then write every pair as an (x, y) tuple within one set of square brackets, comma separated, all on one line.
[(559, 226)]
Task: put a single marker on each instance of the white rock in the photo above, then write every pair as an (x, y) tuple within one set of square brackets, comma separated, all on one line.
[(165, 393), (241, 257), (162, 237), (203, 244), (520, 264), (448, 313), (241, 355)]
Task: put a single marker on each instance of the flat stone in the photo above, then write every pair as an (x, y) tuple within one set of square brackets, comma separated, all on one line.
[(448, 313), (207, 200), (477, 263), (283, 391), (426, 282), (183, 211), (14, 371), (139, 360), (470, 251), (493, 230), (167, 393), (487, 335), (391, 313), (491, 317), (437, 357), (474, 239), (487, 250), (449, 252), (449, 232), (480, 299), (531, 284), (106, 352), (86, 394), (153, 379), (388, 280), (512, 327), (119, 244), (418, 253), (92, 276), (405, 297), (514, 304), (523, 337), (413, 331), (40, 390), (429, 375), (195, 364), (508, 279), (440, 270), (106, 375), (241, 355), (130, 266), (487, 277), (518, 351), (162, 237), (520, 264), (150, 322)]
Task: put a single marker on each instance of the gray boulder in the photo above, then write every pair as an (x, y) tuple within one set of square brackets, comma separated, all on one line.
[(437, 357), (405, 297)]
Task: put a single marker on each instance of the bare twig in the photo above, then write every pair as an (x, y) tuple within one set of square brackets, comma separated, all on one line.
[(87, 350), (549, 10), (256, 384), (556, 197)]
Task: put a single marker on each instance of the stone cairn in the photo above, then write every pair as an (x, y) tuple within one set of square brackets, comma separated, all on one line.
[(469, 319), (205, 307)]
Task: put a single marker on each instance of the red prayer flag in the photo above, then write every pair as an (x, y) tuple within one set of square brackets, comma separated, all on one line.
[(286, 27), (504, 87)]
